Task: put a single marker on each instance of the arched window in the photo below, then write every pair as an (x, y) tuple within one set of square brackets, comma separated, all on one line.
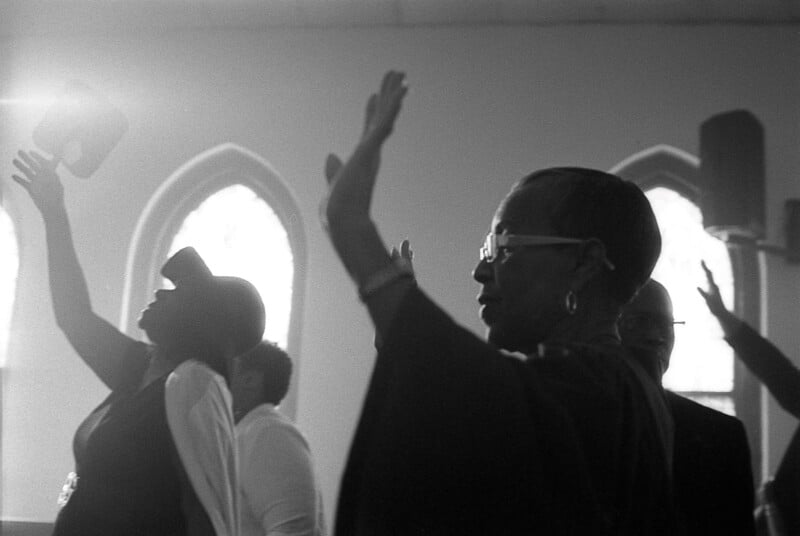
[(237, 233), (232, 207), (8, 279), (702, 362), (702, 365)]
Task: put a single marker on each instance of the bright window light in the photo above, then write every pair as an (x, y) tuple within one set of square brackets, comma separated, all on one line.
[(702, 361), (238, 234), (8, 279)]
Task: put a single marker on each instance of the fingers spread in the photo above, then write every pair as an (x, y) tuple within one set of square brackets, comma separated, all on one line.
[(22, 182), (23, 168), (29, 161), (41, 160)]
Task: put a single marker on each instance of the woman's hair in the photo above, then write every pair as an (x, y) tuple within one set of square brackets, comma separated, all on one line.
[(275, 368), (593, 204)]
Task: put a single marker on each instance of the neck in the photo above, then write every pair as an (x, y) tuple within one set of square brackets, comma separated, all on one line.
[(163, 362), (242, 408), (587, 327)]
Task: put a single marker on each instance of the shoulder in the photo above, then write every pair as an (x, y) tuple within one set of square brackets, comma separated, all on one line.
[(193, 383), (194, 374), (603, 366), (265, 424), (688, 412)]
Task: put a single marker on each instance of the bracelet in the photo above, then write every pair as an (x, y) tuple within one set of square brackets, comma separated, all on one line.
[(396, 270)]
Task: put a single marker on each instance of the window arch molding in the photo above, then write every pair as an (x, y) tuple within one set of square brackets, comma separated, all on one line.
[(189, 186), (669, 167)]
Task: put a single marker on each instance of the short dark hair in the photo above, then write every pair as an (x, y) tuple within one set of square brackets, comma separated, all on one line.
[(275, 367), (595, 204)]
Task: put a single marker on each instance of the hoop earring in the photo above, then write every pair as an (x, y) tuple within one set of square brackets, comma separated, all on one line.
[(571, 302)]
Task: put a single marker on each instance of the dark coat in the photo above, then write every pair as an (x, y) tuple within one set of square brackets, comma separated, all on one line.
[(458, 438), (713, 476)]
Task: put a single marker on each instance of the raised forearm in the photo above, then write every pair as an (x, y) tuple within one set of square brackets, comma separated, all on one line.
[(362, 251), (69, 292), (769, 365), (359, 246)]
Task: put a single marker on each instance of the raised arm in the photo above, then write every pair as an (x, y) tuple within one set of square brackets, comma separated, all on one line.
[(346, 210), (102, 346), (770, 366)]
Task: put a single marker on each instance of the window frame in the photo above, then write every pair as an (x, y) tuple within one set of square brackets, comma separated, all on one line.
[(672, 168), (185, 190)]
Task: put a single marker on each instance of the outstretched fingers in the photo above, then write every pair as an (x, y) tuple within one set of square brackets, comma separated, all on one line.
[(22, 165), (25, 183), (712, 285), (387, 106), (27, 158), (42, 161)]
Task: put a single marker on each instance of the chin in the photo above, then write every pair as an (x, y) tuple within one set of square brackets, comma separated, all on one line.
[(496, 337), (144, 318)]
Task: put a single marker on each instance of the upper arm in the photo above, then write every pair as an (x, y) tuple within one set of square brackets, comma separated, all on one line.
[(195, 516), (111, 355), (277, 477), (201, 424)]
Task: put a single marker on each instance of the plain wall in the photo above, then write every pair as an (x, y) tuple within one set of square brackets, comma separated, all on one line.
[(487, 105)]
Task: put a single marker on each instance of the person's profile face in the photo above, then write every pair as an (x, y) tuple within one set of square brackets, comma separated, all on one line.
[(647, 323), (173, 313), (523, 288)]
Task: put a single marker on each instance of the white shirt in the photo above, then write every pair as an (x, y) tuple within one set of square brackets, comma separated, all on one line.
[(279, 494), (200, 419)]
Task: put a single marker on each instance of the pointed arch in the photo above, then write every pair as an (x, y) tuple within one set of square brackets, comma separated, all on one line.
[(667, 170), (228, 169), (665, 166)]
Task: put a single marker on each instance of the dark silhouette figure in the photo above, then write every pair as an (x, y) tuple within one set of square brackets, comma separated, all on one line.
[(129, 477), (713, 477)]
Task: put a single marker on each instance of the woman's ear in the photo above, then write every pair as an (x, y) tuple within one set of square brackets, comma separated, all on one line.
[(592, 261)]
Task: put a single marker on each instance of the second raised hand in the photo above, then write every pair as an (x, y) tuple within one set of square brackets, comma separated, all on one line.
[(351, 183)]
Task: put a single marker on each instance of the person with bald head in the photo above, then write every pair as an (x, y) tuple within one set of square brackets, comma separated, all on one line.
[(712, 472)]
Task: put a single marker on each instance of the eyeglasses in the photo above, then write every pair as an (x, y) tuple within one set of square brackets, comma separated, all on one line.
[(494, 243), (646, 322)]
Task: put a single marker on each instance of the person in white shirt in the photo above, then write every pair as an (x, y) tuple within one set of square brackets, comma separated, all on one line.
[(279, 495)]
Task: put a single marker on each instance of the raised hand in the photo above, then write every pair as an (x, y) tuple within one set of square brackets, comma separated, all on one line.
[(40, 181), (712, 296), (405, 253), (351, 183)]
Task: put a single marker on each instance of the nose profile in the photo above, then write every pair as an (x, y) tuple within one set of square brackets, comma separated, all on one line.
[(482, 271)]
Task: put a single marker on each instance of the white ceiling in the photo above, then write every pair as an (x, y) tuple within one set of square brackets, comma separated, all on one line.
[(25, 17)]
